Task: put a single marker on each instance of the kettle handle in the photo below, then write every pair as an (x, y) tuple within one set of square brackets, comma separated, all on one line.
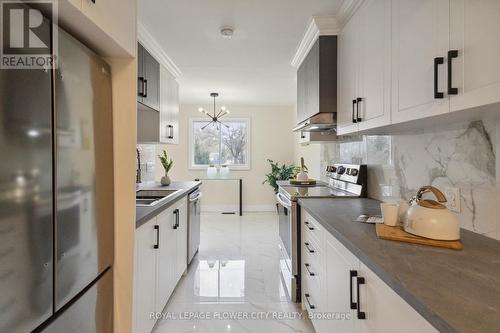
[(429, 203), (437, 193)]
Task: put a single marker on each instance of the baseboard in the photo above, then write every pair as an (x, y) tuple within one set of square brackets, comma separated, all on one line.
[(235, 208)]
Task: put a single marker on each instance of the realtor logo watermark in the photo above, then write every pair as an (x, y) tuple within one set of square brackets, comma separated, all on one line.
[(28, 36)]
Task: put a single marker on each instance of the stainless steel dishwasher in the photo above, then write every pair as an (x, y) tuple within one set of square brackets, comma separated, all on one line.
[(193, 224)]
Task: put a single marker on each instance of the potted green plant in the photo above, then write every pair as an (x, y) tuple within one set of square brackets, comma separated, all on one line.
[(284, 172), (167, 165)]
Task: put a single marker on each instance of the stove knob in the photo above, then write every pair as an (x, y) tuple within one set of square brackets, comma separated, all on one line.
[(354, 172), (348, 171), (340, 170)]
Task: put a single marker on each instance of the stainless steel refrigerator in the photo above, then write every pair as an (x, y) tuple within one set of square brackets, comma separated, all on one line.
[(56, 223)]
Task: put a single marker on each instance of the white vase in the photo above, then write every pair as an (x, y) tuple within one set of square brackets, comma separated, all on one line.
[(165, 180), (224, 171), (211, 172)]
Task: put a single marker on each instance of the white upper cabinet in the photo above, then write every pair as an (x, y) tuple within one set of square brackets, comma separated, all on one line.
[(347, 77), (420, 35), (374, 84), (169, 107), (474, 32), (402, 60), (365, 69)]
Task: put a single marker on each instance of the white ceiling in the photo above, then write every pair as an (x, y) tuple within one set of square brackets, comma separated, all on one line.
[(252, 68)]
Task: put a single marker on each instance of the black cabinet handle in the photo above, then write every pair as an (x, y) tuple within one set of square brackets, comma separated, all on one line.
[(157, 245), (361, 314), (437, 61), (352, 274), (170, 131), (358, 100), (311, 306), (145, 88), (141, 86), (308, 225), (308, 270), (176, 213), (451, 54), (354, 120), (309, 248)]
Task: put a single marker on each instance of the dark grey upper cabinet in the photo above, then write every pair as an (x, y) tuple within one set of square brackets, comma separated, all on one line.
[(317, 80), (148, 72)]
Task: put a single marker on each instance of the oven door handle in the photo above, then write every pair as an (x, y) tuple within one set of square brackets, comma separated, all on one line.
[(283, 201), (196, 198)]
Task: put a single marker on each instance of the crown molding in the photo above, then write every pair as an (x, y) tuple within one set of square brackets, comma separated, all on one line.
[(318, 26), (346, 10), (153, 47)]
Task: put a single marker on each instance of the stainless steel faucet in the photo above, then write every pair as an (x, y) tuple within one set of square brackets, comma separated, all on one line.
[(138, 178)]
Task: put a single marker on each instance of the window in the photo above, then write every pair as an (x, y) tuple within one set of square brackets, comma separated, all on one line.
[(220, 145)]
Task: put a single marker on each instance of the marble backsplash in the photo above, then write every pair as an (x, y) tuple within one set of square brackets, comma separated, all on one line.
[(463, 156)]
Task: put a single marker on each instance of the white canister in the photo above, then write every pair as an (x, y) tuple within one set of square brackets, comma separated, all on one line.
[(224, 171), (212, 171), (390, 213)]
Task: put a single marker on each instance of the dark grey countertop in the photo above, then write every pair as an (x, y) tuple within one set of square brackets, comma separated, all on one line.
[(456, 291), (144, 214)]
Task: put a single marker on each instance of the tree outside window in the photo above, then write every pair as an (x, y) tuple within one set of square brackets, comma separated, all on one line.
[(219, 144)]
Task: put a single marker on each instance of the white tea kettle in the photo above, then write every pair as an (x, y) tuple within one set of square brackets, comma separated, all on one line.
[(430, 218)]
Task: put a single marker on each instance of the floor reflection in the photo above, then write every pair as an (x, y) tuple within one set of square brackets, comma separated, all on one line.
[(220, 281)]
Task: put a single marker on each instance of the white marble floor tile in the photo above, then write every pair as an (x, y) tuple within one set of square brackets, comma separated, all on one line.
[(233, 284)]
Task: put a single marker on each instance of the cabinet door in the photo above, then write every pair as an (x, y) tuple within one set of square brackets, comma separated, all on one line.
[(151, 81), (339, 283), (173, 110), (312, 81), (375, 64), (181, 234), (347, 73), (140, 72), (420, 33), (166, 259), (385, 310), (475, 27), (117, 18), (145, 277), (165, 130)]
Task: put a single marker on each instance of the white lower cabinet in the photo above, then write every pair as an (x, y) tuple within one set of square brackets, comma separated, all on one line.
[(330, 290), (160, 261), (385, 310), (145, 271)]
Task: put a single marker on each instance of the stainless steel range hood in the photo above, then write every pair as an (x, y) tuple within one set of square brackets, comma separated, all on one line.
[(322, 122)]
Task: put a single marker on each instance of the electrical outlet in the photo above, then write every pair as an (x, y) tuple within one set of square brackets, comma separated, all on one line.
[(453, 196)]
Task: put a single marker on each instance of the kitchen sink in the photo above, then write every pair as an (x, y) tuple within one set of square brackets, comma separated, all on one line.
[(148, 198)]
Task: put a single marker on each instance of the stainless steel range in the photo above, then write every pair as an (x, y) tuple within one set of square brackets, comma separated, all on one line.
[(344, 181)]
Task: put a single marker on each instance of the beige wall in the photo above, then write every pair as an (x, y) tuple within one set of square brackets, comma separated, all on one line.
[(271, 137)]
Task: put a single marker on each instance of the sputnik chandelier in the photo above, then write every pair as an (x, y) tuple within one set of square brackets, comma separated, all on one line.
[(216, 115)]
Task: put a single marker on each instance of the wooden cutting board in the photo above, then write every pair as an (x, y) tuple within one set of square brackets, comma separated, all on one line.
[(398, 234)]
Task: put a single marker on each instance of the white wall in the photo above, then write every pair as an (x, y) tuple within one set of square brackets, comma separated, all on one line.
[(271, 137)]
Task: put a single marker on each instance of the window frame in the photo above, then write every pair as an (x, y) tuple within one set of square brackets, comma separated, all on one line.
[(247, 120)]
